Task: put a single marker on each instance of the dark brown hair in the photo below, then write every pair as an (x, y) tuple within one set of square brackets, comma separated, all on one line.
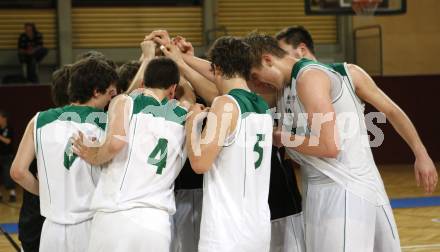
[(60, 82), (126, 73), (161, 73), (232, 56), (260, 44), (90, 75), (295, 35)]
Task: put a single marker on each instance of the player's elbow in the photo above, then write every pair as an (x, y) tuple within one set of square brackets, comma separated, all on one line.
[(331, 150), (16, 173), (116, 146), (199, 166), (332, 153)]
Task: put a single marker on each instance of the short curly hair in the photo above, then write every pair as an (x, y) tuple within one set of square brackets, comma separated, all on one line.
[(232, 56), (260, 44), (90, 75)]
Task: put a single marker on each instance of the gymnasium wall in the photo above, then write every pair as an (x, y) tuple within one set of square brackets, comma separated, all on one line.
[(411, 41), (394, 150), (241, 17), (117, 30)]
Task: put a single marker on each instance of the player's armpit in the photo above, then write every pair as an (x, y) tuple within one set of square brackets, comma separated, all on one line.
[(25, 155), (204, 148), (185, 93), (313, 88), (202, 86)]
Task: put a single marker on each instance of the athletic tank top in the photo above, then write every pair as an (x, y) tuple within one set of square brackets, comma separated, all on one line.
[(66, 182), (235, 190), (142, 174), (354, 168)]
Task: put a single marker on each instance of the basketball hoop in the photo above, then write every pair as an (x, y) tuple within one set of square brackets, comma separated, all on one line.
[(365, 7)]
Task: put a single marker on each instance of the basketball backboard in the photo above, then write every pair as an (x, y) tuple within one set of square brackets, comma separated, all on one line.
[(345, 7)]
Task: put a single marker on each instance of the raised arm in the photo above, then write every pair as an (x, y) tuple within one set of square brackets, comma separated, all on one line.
[(116, 135), (367, 90), (148, 51), (203, 148), (202, 86), (313, 89), (200, 65), (25, 155)]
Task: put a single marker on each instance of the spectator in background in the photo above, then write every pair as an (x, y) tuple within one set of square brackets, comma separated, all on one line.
[(6, 155), (31, 50)]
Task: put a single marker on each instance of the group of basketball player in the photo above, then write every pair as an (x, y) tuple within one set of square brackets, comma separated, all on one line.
[(106, 179)]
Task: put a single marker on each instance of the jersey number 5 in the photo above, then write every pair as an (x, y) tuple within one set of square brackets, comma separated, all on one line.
[(259, 150), (160, 150)]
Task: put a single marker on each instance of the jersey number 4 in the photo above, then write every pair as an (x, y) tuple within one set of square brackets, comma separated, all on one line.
[(259, 150), (158, 156)]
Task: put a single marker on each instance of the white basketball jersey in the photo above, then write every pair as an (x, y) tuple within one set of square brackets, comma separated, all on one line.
[(143, 173), (354, 168), (235, 213), (66, 182)]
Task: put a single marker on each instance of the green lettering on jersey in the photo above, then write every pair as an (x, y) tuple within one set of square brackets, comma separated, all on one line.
[(161, 149), (259, 150), (69, 156)]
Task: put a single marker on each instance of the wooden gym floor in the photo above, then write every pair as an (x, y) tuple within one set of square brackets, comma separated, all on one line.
[(419, 227)]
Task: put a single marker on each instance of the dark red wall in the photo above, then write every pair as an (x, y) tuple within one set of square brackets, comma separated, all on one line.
[(22, 103), (416, 95), (419, 97)]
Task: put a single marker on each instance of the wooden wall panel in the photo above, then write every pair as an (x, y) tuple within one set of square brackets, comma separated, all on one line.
[(119, 27), (241, 17)]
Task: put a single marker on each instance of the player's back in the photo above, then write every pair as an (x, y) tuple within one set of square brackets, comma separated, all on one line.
[(66, 182), (143, 173), (235, 215)]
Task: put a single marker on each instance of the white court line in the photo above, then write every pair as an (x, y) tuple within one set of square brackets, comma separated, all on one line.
[(427, 246)]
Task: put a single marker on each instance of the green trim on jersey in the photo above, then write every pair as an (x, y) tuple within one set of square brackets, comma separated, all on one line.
[(339, 67), (169, 110), (249, 102), (74, 113), (304, 63)]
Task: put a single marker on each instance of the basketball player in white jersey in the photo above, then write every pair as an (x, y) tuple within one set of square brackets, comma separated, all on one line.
[(66, 183), (284, 197), (144, 149), (298, 42), (234, 156), (346, 206)]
